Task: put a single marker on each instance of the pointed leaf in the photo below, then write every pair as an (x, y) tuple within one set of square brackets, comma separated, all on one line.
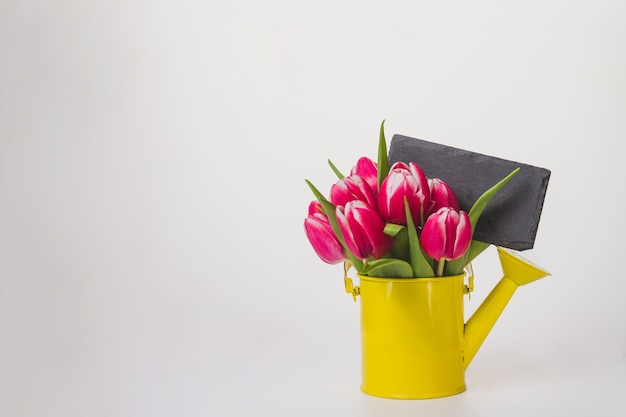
[(383, 162), (483, 200), (420, 265), (475, 249), (335, 170), (456, 267), (329, 209)]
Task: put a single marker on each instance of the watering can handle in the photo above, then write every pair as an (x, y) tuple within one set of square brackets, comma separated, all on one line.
[(351, 288), (469, 288)]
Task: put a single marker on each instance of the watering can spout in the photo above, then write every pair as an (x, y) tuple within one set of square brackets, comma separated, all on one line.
[(517, 271)]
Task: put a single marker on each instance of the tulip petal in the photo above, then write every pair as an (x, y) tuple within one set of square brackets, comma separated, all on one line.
[(446, 234), (351, 188), (361, 224), (433, 237), (441, 195), (367, 169), (401, 183), (363, 230), (346, 232), (316, 208), (329, 210), (417, 172), (323, 240), (463, 236)]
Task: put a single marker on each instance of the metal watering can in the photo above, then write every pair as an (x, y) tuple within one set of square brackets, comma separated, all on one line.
[(415, 343)]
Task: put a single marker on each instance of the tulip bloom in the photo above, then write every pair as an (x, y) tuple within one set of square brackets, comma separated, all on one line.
[(321, 236), (404, 181), (363, 230), (447, 234), (350, 188), (368, 170), (441, 195)]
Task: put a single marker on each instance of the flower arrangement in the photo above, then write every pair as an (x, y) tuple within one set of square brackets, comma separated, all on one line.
[(394, 221)]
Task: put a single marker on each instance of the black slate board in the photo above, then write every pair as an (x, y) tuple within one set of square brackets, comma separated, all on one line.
[(512, 217)]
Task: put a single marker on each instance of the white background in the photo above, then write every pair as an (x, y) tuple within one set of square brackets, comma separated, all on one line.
[(152, 164)]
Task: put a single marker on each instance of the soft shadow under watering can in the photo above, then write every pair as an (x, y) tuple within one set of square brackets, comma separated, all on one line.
[(415, 343)]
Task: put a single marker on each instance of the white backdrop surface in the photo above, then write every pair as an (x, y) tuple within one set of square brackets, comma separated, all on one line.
[(152, 164)]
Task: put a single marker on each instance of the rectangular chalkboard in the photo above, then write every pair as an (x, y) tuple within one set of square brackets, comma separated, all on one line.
[(512, 217)]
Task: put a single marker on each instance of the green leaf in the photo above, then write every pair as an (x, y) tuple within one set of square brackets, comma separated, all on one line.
[(335, 170), (329, 209), (456, 267), (485, 198), (475, 249), (392, 229), (388, 268), (383, 162), (420, 265), (400, 248)]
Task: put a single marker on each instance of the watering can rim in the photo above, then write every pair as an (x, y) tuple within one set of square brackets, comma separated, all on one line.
[(425, 279)]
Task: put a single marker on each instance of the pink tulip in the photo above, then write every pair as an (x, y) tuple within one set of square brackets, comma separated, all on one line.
[(446, 234), (404, 181), (321, 235), (363, 230), (441, 195), (368, 170), (350, 188)]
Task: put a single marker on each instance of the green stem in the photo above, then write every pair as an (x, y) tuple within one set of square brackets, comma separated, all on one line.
[(440, 266)]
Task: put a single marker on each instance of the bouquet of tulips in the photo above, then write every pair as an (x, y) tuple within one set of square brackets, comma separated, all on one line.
[(394, 221)]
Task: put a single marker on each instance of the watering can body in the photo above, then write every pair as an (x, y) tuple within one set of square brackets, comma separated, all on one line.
[(414, 341)]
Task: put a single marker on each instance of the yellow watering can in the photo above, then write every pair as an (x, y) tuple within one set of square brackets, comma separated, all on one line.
[(415, 344)]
